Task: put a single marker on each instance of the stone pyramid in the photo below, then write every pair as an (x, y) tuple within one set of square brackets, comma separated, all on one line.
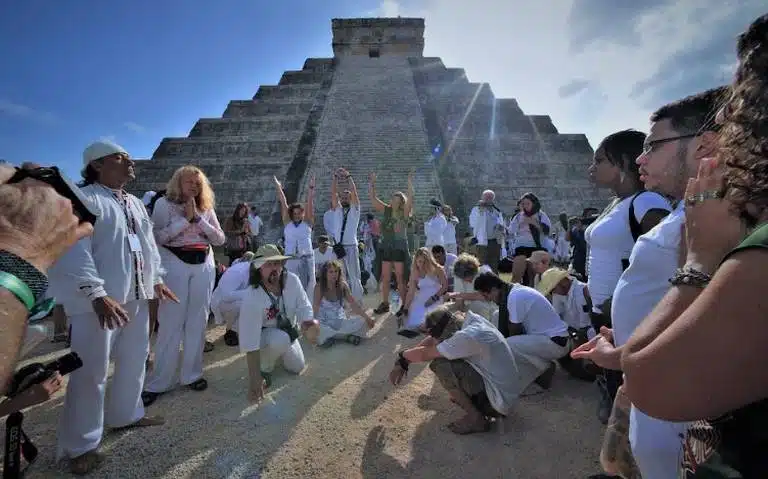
[(379, 105)]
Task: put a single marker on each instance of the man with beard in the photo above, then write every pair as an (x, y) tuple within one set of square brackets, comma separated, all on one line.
[(272, 311), (342, 221), (472, 362), (104, 282)]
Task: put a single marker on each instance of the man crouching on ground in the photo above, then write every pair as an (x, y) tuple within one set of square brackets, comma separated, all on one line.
[(472, 362), (274, 307)]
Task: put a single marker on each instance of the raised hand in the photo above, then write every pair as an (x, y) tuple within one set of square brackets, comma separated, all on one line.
[(312, 182), (190, 208), (277, 182), (372, 179)]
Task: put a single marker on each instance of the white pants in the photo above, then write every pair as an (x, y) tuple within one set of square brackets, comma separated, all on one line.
[(304, 268), (85, 408), (656, 445), (182, 323), (533, 355), (275, 345), (352, 267), (227, 310), (353, 325), (451, 248)]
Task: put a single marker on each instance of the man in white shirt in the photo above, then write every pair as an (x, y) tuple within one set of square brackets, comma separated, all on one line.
[(105, 282), (228, 297), (274, 312), (323, 253), (487, 223), (531, 325), (472, 362), (681, 135), (255, 223), (341, 221), (449, 235), (434, 227)]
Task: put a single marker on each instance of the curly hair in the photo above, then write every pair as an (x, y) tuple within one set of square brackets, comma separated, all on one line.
[(744, 132), (205, 198)]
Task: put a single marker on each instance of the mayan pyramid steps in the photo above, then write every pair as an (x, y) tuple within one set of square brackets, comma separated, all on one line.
[(379, 105)]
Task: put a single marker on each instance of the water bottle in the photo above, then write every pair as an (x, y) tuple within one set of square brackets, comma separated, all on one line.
[(394, 300)]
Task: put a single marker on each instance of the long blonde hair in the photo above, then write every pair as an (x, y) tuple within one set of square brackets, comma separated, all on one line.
[(205, 198), (430, 264)]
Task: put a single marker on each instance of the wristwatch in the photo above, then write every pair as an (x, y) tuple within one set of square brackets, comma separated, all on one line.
[(26, 282)]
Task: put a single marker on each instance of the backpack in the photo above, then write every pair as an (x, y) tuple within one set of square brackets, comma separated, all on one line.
[(634, 226)]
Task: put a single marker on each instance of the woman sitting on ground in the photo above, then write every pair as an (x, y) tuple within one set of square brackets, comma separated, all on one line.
[(331, 292), (428, 284)]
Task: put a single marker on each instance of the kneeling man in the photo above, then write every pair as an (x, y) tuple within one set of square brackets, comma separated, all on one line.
[(274, 307), (227, 298), (472, 362), (534, 330)]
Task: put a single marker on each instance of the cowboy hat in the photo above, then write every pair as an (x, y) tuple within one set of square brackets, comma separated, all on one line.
[(265, 253), (550, 279)]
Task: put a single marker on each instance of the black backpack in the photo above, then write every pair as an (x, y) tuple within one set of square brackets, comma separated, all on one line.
[(151, 205)]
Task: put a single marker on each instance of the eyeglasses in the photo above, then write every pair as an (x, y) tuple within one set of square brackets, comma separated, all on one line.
[(649, 145)]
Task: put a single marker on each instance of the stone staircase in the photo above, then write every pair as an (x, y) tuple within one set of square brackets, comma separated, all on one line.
[(252, 141), (373, 122)]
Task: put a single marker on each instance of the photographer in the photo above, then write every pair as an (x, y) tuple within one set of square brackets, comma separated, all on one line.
[(37, 225)]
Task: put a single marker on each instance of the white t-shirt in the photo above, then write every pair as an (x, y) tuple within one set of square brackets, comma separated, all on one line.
[(234, 279), (256, 307), (654, 260), (256, 224), (484, 348), (610, 241), (434, 229), (322, 258), (449, 234), (334, 219), (298, 239), (571, 307), (537, 315)]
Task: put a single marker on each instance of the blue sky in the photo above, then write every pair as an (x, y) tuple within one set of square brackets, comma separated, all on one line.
[(142, 70)]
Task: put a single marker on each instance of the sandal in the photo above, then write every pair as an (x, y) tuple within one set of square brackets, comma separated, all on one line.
[(86, 463), (352, 339), (199, 385), (231, 338), (381, 308), (148, 397), (208, 347)]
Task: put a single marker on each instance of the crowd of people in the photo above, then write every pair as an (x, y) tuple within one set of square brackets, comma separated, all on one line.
[(632, 298)]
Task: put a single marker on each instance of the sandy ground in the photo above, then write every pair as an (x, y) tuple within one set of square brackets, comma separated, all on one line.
[(339, 419)]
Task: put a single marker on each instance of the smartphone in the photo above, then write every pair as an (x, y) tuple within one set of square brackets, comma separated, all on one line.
[(63, 186)]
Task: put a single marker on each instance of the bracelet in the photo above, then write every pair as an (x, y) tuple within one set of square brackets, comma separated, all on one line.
[(18, 288), (402, 362), (687, 276)]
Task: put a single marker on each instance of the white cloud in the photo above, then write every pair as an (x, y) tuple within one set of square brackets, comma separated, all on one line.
[(19, 110), (388, 8), (112, 138), (524, 50), (134, 127)]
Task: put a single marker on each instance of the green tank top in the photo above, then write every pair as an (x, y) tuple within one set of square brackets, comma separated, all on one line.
[(757, 239), (394, 229)]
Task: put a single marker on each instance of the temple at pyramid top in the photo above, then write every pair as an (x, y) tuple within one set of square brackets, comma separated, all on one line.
[(375, 37)]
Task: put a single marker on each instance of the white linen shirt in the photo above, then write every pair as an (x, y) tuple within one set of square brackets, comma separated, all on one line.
[(333, 219), (102, 264)]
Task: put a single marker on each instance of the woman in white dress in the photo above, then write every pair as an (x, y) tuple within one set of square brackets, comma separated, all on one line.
[(427, 285), (298, 235), (331, 294)]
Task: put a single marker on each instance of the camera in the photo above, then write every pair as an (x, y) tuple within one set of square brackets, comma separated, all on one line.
[(53, 177), (36, 373), (17, 444)]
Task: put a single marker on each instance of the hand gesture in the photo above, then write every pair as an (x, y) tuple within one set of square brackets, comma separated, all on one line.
[(190, 208), (39, 393), (257, 391), (277, 182), (396, 375), (452, 296), (111, 313), (712, 226), (411, 174), (372, 179), (36, 223), (312, 182), (598, 349), (162, 292)]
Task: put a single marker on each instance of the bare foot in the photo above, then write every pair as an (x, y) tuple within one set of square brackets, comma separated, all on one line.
[(470, 425), (86, 463)]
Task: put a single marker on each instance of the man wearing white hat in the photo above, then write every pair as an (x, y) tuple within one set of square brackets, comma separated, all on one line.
[(104, 282), (274, 311), (570, 297)]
